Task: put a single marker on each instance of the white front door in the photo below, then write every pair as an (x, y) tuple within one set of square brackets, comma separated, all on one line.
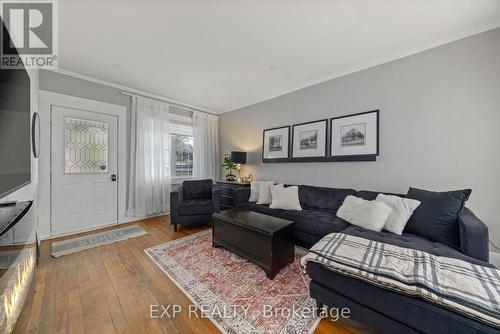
[(84, 187)]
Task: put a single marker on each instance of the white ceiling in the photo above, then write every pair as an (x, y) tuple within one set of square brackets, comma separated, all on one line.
[(227, 54)]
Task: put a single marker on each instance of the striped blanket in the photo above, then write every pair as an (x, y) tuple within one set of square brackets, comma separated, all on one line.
[(469, 289)]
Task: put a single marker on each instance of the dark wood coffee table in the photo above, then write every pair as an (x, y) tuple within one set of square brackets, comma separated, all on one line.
[(264, 240)]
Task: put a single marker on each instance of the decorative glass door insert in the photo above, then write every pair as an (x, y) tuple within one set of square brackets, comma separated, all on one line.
[(86, 146)]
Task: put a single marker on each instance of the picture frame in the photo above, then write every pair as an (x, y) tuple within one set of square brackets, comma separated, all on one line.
[(309, 140), (355, 137), (276, 144)]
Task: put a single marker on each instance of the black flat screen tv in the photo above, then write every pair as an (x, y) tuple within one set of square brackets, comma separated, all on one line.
[(15, 132)]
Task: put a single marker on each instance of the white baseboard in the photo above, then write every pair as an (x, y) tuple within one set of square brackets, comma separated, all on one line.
[(495, 259), (125, 220), (134, 219)]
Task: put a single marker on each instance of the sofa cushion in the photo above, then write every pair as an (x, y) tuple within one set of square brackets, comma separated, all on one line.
[(371, 195), (327, 199), (315, 222), (197, 189), (305, 239), (409, 240), (402, 209), (196, 207), (368, 214), (413, 312), (285, 198), (265, 197), (254, 191), (263, 208), (437, 215)]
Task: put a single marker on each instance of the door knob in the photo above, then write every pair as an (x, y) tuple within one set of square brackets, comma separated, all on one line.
[(113, 177)]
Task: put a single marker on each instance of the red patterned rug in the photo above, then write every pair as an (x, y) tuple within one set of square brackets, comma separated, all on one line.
[(235, 294)]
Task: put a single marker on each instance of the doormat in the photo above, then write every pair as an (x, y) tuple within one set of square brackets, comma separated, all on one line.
[(69, 246)]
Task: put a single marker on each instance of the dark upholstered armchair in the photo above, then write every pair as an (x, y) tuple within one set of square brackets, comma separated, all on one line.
[(194, 202)]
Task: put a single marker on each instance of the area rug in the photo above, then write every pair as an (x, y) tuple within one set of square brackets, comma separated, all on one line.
[(235, 294), (65, 247)]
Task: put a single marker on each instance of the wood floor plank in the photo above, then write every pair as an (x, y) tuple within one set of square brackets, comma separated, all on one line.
[(87, 299), (61, 299), (135, 281), (35, 317), (112, 303), (109, 289), (117, 274), (74, 304), (100, 310)]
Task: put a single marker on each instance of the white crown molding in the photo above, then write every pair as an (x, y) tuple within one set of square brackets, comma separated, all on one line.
[(384, 60), (128, 89)]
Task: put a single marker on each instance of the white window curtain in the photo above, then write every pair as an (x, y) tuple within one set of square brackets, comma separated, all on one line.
[(206, 158), (150, 182)]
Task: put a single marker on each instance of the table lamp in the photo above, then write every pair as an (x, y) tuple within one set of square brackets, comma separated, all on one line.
[(239, 158)]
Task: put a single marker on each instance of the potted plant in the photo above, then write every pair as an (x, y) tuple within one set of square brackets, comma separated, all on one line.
[(228, 167)]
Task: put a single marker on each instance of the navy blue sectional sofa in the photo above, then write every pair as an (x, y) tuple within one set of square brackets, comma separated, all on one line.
[(383, 310)]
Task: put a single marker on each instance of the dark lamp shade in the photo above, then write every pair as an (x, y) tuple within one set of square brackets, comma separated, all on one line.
[(239, 157)]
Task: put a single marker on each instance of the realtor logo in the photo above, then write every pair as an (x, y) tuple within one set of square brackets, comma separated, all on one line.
[(29, 34)]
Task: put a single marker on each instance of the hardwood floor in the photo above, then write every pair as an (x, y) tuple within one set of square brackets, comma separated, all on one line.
[(108, 289)]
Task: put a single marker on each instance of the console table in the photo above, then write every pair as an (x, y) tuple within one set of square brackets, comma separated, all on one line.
[(226, 192)]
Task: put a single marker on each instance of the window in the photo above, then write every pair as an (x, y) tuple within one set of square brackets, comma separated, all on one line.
[(86, 146), (182, 147), (182, 150)]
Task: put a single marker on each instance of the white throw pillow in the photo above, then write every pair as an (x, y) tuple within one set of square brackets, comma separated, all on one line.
[(265, 192), (371, 215), (254, 191), (285, 198), (402, 209)]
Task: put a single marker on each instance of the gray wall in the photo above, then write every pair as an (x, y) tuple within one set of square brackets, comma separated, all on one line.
[(67, 85), (439, 124)]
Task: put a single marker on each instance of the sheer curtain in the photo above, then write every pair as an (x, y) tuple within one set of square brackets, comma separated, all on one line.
[(150, 182), (206, 159)]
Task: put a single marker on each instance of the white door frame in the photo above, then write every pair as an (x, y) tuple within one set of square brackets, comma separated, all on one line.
[(48, 99)]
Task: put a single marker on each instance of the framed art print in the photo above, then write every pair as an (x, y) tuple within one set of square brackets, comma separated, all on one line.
[(309, 139), (355, 136), (275, 143)]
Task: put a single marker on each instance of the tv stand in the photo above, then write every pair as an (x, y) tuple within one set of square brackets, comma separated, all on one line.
[(11, 214), (8, 203)]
